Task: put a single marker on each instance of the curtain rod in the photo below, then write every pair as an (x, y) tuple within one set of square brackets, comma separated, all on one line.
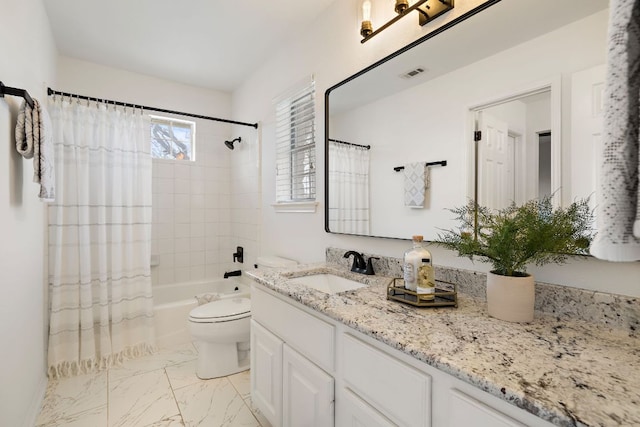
[(144, 107), (368, 147)]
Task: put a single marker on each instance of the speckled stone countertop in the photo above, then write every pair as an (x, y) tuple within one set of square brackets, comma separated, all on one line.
[(568, 372)]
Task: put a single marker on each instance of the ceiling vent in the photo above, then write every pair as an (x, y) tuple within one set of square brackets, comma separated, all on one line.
[(412, 73)]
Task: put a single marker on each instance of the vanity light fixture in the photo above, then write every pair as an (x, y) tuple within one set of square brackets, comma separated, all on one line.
[(427, 11)]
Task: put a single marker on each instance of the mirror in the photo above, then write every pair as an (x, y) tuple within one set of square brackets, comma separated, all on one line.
[(526, 76)]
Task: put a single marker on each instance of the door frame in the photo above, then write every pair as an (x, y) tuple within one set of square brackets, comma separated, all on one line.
[(552, 85)]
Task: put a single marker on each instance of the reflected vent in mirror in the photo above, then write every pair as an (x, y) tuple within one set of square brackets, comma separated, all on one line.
[(413, 73)]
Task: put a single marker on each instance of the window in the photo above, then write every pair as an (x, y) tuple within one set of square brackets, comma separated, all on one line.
[(295, 145), (172, 139)]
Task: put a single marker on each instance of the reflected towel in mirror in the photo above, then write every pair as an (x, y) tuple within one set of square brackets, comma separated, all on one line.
[(416, 182)]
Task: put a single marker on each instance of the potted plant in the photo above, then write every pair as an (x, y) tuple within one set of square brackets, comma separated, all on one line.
[(514, 237)]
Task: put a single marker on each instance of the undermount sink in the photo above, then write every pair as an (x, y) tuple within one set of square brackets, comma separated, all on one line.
[(328, 283)]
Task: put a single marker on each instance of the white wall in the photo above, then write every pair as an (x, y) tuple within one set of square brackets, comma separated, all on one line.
[(193, 230), (28, 61), (331, 50)]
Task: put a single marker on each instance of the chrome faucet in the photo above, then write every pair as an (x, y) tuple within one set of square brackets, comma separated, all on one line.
[(359, 265)]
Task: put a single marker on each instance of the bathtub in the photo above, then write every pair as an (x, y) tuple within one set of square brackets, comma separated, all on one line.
[(172, 304)]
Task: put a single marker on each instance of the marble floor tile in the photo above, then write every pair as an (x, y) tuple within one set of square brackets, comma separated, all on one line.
[(159, 360), (94, 417), (264, 422), (174, 421), (214, 403), (182, 374), (242, 383), (74, 395), (142, 400)]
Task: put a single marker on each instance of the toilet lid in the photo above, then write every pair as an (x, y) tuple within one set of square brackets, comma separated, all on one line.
[(222, 310)]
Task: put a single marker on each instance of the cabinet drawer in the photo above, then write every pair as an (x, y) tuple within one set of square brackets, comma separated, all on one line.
[(353, 411), (312, 337), (465, 411), (399, 391)]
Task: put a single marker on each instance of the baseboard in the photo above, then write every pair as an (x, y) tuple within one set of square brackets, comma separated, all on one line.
[(36, 404)]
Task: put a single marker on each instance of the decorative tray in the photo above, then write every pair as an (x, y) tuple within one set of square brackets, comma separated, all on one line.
[(445, 295)]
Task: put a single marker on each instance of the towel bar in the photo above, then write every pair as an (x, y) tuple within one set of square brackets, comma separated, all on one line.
[(440, 163), (6, 90)]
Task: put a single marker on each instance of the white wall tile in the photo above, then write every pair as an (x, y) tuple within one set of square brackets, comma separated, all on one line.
[(183, 171), (197, 230), (197, 258), (182, 216), (165, 185), (183, 274), (166, 246), (164, 231), (182, 230), (181, 201), (198, 272), (198, 244), (182, 245), (182, 186), (197, 201), (182, 260)]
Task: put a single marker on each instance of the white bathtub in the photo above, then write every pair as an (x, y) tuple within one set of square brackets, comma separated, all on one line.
[(172, 304)]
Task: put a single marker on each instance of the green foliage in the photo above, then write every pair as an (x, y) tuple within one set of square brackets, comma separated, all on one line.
[(511, 238)]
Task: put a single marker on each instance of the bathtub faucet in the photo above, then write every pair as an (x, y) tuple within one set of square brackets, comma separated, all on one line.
[(228, 274)]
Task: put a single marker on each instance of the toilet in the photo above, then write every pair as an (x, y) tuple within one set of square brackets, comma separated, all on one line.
[(221, 330)]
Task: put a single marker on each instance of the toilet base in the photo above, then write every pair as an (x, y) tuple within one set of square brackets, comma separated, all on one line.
[(219, 360)]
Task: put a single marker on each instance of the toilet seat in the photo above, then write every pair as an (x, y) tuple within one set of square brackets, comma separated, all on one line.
[(224, 310)]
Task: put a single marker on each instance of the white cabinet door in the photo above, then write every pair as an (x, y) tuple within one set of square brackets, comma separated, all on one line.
[(466, 411), (351, 411), (266, 373), (307, 392)]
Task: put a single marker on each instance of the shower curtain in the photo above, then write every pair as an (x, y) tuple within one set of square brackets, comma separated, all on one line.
[(348, 189), (101, 308)]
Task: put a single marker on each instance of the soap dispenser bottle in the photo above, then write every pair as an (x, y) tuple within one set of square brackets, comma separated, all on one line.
[(412, 262), (426, 280)]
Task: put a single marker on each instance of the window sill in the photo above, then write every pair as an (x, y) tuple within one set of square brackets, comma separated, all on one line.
[(295, 207)]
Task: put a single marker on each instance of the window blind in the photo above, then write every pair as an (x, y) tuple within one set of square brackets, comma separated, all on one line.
[(295, 145)]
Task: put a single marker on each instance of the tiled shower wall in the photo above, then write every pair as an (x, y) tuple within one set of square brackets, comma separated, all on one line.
[(246, 196), (192, 230)]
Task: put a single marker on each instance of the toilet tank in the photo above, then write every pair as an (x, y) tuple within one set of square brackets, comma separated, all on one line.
[(275, 262)]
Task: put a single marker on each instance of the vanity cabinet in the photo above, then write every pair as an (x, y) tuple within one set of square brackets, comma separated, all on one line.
[(304, 363), (289, 349)]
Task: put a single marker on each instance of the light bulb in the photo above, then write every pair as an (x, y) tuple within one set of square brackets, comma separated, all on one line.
[(366, 10)]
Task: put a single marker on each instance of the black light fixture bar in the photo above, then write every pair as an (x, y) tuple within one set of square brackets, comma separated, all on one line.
[(439, 163), (144, 107), (428, 10), (6, 90)]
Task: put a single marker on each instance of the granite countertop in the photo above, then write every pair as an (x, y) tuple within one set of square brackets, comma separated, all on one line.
[(571, 373)]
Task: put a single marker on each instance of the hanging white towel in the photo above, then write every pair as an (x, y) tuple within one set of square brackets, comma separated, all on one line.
[(617, 197), (34, 139), (416, 182)]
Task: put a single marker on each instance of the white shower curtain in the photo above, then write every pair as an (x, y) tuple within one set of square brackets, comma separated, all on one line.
[(348, 189), (101, 308)]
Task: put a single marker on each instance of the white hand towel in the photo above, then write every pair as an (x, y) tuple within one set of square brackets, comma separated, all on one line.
[(416, 181), (618, 194), (34, 138)]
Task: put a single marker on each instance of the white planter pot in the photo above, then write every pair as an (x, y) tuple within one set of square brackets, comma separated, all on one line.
[(511, 298)]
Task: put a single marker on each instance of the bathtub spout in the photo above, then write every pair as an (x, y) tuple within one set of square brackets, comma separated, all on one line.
[(228, 274)]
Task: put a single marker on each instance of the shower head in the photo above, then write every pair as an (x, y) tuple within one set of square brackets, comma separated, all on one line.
[(229, 144)]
